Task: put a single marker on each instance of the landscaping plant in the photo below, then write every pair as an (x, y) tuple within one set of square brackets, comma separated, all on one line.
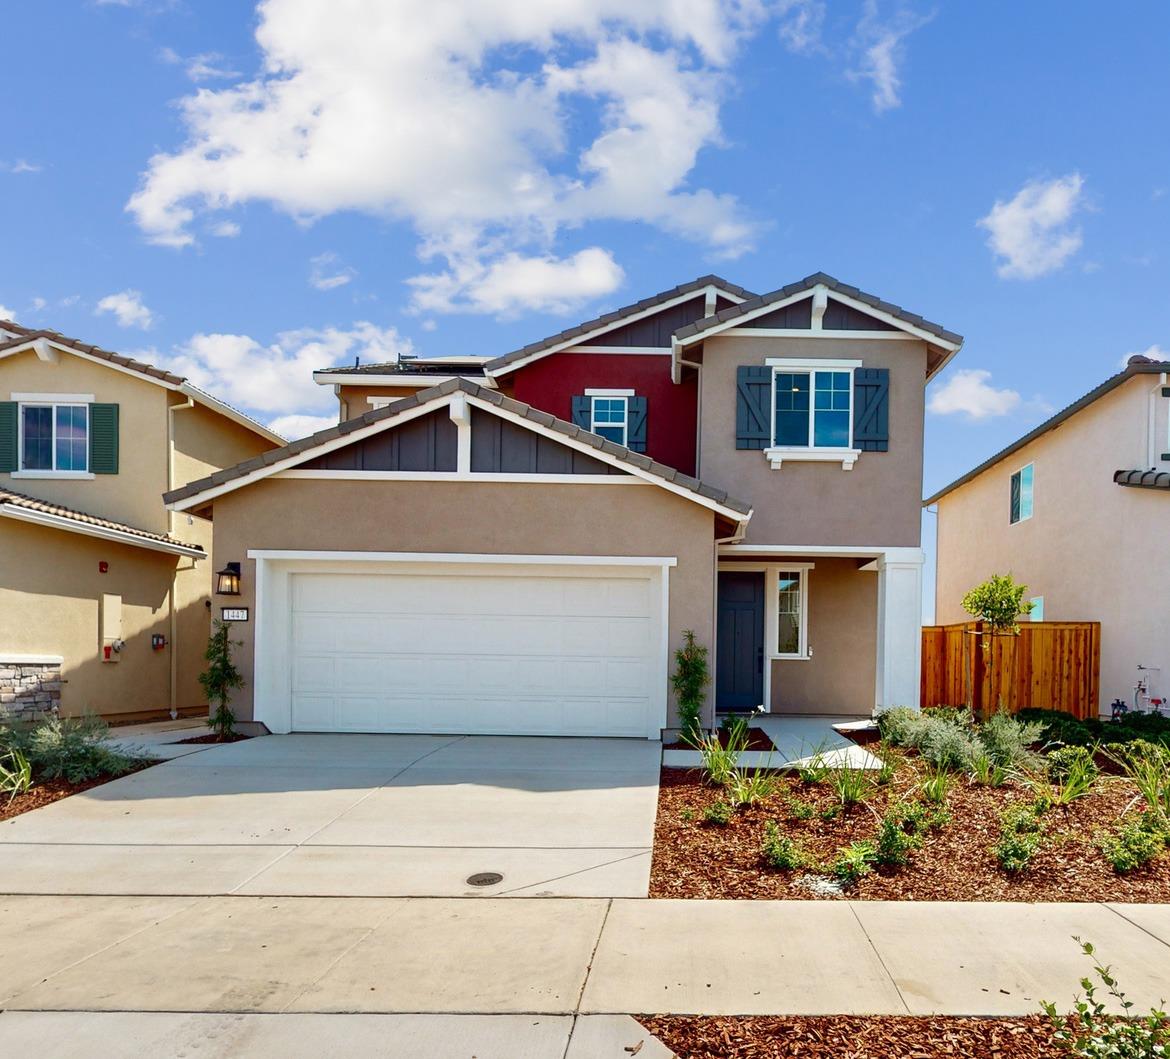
[(1009, 741), (69, 748), (999, 604), (720, 759), (15, 774), (748, 788), (1073, 777), (851, 785), (718, 812), (221, 678), (1090, 1032), (690, 680), (1147, 767), (1021, 831), (936, 785), (895, 841), (780, 851), (854, 861), (1134, 844)]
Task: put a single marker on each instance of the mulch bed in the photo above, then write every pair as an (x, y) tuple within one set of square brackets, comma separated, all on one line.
[(757, 740), (235, 737), (49, 791), (853, 1037), (694, 859)]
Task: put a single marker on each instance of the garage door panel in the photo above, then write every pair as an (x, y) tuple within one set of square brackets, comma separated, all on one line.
[(472, 649)]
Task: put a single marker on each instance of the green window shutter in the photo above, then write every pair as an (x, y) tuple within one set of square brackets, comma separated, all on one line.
[(871, 409), (582, 412), (753, 413), (9, 457), (636, 434), (103, 439)]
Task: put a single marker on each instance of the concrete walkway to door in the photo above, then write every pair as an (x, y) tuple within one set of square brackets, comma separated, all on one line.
[(354, 816)]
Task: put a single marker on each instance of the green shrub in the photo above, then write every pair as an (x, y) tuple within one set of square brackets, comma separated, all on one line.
[(851, 785), (15, 774), (918, 818), (1021, 833), (986, 772), (221, 677), (1009, 741), (800, 810), (936, 786), (1147, 766), (898, 725), (1073, 775), (690, 679), (815, 770), (718, 812), (1089, 1031), (1061, 727), (748, 788), (898, 836), (854, 861), (780, 851), (73, 749), (887, 772), (1134, 844), (1066, 759), (720, 759)]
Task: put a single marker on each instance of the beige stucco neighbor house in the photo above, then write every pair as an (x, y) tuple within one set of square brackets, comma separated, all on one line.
[(517, 544), (104, 593), (1079, 510)]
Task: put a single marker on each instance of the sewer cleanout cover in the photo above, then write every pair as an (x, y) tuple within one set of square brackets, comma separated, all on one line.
[(485, 878)]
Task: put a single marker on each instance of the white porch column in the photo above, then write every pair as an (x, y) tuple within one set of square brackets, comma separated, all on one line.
[(899, 628)]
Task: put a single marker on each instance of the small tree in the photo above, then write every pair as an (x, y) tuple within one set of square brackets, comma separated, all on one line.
[(690, 680), (999, 604), (220, 678)]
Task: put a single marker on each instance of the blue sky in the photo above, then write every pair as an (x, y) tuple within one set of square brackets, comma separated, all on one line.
[(244, 193)]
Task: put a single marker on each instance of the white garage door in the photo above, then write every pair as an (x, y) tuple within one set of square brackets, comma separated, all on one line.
[(477, 649)]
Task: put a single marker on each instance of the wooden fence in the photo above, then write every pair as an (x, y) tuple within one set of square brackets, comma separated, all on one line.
[(1051, 664)]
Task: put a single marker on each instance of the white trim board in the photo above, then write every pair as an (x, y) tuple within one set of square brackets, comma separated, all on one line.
[(54, 398), (271, 554), (87, 529), (485, 477)]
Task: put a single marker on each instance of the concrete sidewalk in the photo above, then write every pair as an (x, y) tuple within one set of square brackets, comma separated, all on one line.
[(565, 957)]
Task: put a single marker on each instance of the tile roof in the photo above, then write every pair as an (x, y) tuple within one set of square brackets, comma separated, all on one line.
[(25, 336), (28, 503), (617, 316), (1138, 365), (824, 279), (494, 397), (1143, 479)]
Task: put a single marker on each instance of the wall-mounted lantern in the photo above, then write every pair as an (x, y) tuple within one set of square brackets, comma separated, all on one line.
[(227, 580)]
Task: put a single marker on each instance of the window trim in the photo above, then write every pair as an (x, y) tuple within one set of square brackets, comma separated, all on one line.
[(611, 395), (811, 453), (53, 401), (1031, 497)]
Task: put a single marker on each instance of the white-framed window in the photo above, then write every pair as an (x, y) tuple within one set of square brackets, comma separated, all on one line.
[(609, 414), (791, 601), (1021, 494), (812, 410), (54, 436)]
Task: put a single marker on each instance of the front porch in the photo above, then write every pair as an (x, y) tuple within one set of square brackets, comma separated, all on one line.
[(817, 632)]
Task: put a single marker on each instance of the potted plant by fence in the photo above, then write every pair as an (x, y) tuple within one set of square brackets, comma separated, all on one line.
[(220, 678), (998, 604), (690, 680)]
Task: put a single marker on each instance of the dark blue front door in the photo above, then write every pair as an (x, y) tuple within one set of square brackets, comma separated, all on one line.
[(739, 645)]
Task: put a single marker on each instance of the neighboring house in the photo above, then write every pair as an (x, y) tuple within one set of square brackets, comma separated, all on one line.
[(1079, 510), (104, 593), (518, 544)]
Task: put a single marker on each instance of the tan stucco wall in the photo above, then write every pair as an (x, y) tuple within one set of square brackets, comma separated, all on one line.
[(839, 678), (134, 494), (50, 593), (1095, 551), (876, 503), (355, 400), (547, 519)]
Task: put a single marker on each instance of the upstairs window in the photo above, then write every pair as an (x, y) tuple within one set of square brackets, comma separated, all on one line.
[(1021, 495), (54, 437), (611, 418), (813, 406)]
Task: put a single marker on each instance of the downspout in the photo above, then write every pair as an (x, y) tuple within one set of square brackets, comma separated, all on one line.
[(171, 515)]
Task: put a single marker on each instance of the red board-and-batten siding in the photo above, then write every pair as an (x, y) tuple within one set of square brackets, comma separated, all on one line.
[(551, 382)]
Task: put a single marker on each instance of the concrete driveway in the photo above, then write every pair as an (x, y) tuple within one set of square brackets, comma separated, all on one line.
[(354, 816)]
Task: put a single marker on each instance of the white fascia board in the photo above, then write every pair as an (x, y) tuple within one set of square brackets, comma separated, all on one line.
[(43, 518), (485, 477), (869, 310), (387, 379), (236, 416), (605, 457), (830, 551), (55, 398), (31, 344), (579, 340), (493, 558)]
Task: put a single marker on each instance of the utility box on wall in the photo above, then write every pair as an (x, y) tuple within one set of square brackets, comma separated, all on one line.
[(111, 628)]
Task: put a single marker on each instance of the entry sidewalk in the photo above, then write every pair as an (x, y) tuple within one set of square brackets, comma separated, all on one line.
[(565, 957)]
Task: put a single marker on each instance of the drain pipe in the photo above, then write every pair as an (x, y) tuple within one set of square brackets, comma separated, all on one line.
[(173, 694)]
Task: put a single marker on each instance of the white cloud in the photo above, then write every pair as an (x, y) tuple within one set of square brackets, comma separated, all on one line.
[(801, 24), (457, 119), (327, 272), (38, 304), (207, 66), (298, 426), (128, 309), (21, 165), (514, 284), (225, 229), (6, 313), (881, 44), (1032, 232), (1154, 352), (277, 379), (968, 392)]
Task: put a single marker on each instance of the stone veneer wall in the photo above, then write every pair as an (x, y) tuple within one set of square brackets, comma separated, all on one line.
[(29, 688)]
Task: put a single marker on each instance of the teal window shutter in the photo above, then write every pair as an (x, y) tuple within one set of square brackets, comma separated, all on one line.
[(753, 415), (871, 409), (583, 412), (9, 456), (103, 439), (636, 430)]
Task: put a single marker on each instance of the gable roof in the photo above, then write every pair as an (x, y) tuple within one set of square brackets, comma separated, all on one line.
[(27, 339), (206, 489), (29, 509), (1137, 365), (610, 320), (755, 306)]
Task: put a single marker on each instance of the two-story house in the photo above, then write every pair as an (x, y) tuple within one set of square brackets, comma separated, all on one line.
[(1077, 509), (104, 593), (518, 544)]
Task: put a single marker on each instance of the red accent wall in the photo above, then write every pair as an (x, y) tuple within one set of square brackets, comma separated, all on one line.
[(671, 411)]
